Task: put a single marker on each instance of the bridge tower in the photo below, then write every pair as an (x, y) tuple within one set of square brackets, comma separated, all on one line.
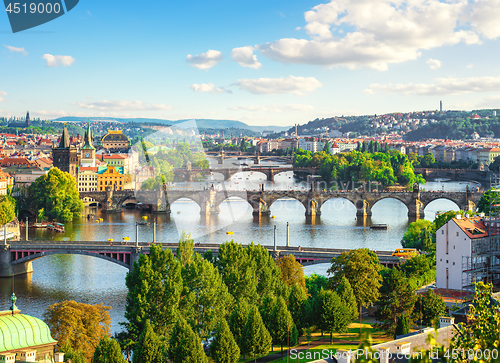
[(209, 205), (313, 207)]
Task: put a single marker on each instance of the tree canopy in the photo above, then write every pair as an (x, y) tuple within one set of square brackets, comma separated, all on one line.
[(55, 193), (292, 272)]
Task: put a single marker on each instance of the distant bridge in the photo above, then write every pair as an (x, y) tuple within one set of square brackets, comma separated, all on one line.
[(209, 200), (188, 174), (256, 157), (16, 258)]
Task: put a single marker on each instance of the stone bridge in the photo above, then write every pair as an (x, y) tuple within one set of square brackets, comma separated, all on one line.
[(188, 174), (256, 157), (209, 200), (16, 258)]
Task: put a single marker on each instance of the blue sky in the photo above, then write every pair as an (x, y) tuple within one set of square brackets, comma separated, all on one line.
[(260, 62)]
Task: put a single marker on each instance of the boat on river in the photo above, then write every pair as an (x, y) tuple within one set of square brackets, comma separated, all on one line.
[(379, 226)]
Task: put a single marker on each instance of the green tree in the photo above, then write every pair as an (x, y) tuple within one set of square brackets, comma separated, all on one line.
[(205, 299), (238, 271), (483, 322), (185, 251), (148, 349), (495, 165), (361, 268), (490, 198), (57, 194), (334, 314), (256, 339), (402, 326), (346, 294), (396, 298), (297, 306), (417, 235), (267, 271), (238, 320), (154, 290), (427, 160), (185, 346), (108, 351), (81, 325), (224, 348), (281, 323), (292, 272), (7, 209), (432, 307), (75, 355)]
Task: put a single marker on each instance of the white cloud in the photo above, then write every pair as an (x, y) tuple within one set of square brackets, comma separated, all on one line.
[(291, 84), (374, 34), (245, 57), (205, 60), (442, 86), (56, 60), (273, 108), (16, 50), (470, 66), (483, 16), (2, 94), (208, 88), (123, 105), (433, 63)]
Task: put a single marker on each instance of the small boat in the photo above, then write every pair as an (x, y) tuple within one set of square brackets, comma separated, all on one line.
[(379, 226), (229, 232), (143, 223), (39, 225)]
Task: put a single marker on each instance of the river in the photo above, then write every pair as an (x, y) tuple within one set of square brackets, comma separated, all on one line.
[(92, 280)]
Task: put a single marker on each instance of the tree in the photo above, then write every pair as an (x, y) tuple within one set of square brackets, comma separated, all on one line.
[(402, 326), (154, 290), (495, 165), (108, 351), (326, 148), (488, 199), (483, 322), (346, 294), (185, 346), (256, 339), (427, 160), (81, 325), (267, 272), (185, 251), (57, 194), (432, 307), (205, 299), (417, 235), (224, 348), (297, 306), (292, 272), (334, 314), (281, 323), (7, 209), (238, 271), (75, 355), (396, 298), (238, 320), (361, 268), (148, 349)]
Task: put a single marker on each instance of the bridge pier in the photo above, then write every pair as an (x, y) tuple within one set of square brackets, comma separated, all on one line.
[(210, 206), (416, 210), (313, 208), (7, 269), (363, 208), (134, 257)]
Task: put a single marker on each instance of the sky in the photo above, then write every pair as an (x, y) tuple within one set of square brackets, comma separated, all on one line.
[(261, 62)]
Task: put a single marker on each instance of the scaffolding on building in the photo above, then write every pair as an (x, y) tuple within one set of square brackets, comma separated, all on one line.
[(484, 262)]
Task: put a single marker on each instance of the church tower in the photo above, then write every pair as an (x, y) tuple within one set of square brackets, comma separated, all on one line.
[(65, 156), (87, 151), (28, 119)]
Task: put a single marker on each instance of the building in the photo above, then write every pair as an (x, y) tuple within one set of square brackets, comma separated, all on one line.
[(87, 151), (65, 156), (110, 177), (466, 253), (115, 141), (116, 160), (143, 174), (87, 181), (24, 338), (24, 175), (24, 124)]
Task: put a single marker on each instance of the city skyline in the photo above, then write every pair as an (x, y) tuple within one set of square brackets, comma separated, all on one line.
[(259, 63)]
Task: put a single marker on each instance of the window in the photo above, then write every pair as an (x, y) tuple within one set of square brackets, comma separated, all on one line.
[(446, 261), (442, 232), (453, 263), (457, 234)]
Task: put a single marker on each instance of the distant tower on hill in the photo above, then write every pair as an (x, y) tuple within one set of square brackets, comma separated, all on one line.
[(296, 134), (440, 106)]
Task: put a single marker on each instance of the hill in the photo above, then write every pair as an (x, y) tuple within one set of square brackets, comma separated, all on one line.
[(201, 123)]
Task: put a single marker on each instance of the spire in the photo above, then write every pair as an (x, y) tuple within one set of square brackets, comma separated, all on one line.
[(13, 299), (64, 143), (88, 138)]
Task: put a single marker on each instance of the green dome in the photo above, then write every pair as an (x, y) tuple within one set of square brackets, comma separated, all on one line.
[(20, 331)]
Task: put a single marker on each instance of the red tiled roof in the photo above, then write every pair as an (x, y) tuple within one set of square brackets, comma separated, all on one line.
[(472, 227)]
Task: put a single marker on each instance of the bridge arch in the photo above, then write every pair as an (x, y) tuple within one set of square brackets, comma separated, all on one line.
[(103, 255), (181, 198), (282, 205), (336, 204), (441, 197), (385, 199)]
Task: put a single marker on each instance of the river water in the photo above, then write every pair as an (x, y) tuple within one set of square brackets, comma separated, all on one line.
[(92, 280)]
